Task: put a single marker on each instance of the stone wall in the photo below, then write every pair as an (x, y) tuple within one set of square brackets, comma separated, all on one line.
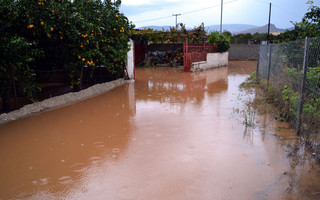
[(243, 52)]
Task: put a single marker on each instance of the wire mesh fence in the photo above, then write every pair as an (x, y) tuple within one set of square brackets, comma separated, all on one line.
[(290, 72)]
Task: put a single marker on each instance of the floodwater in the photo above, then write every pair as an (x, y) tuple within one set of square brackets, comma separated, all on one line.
[(169, 135)]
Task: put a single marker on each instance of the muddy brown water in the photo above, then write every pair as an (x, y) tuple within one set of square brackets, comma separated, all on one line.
[(168, 135)]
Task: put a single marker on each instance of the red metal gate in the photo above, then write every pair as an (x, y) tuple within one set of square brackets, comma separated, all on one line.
[(196, 53)]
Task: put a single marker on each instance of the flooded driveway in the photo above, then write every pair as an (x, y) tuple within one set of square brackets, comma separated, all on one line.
[(169, 135)]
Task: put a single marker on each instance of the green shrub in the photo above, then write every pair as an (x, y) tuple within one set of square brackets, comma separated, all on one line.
[(313, 75), (290, 99), (221, 40)]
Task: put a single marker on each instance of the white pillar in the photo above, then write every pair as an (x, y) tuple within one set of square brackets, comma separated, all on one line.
[(130, 60)]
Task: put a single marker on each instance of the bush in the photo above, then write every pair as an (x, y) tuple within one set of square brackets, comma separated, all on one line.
[(222, 40)]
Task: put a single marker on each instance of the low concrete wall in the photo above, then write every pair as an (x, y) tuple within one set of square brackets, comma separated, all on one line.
[(62, 100), (217, 59), (243, 52), (213, 60)]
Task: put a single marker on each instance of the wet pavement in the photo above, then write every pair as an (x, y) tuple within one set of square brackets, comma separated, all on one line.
[(169, 135)]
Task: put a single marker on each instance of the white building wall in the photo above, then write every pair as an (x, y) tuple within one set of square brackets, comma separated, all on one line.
[(130, 60)]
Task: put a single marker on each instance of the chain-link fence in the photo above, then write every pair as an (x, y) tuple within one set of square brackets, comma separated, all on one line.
[(290, 72)]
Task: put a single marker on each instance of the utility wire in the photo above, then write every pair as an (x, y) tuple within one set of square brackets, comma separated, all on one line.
[(276, 6), (286, 11), (153, 19), (260, 1), (207, 8), (185, 13)]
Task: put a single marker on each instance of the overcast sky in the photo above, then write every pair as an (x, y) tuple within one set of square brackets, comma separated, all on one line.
[(253, 12)]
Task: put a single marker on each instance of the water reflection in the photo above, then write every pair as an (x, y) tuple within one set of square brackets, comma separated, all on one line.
[(174, 86), (52, 152)]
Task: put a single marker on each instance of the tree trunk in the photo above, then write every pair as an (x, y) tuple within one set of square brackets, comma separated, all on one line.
[(13, 82), (81, 77), (6, 93), (6, 100)]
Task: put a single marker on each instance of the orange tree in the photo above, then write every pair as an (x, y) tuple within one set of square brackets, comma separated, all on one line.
[(69, 34), (16, 56), (102, 39), (78, 33)]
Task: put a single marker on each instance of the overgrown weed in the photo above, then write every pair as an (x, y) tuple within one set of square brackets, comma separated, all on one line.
[(283, 107)]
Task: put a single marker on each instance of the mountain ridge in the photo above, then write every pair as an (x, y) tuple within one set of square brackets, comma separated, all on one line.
[(263, 29), (233, 28)]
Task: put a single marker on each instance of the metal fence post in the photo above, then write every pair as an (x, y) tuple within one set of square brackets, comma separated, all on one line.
[(269, 63), (257, 73), (303, 84)]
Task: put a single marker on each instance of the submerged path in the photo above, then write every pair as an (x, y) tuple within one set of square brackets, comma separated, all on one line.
[(169, 135)]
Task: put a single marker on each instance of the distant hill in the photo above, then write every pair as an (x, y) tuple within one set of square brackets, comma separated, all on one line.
[(233, 28), (263, 29), (157, 28)]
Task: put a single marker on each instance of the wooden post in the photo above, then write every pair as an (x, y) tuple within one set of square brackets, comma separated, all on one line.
[(204, 44), (268, 34), (186, 45)]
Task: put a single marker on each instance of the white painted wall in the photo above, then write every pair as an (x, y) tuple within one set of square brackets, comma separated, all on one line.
[(130, 60), (217, 59), (213, 60)]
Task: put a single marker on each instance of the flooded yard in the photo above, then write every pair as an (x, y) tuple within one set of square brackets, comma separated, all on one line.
[(169, 135)]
